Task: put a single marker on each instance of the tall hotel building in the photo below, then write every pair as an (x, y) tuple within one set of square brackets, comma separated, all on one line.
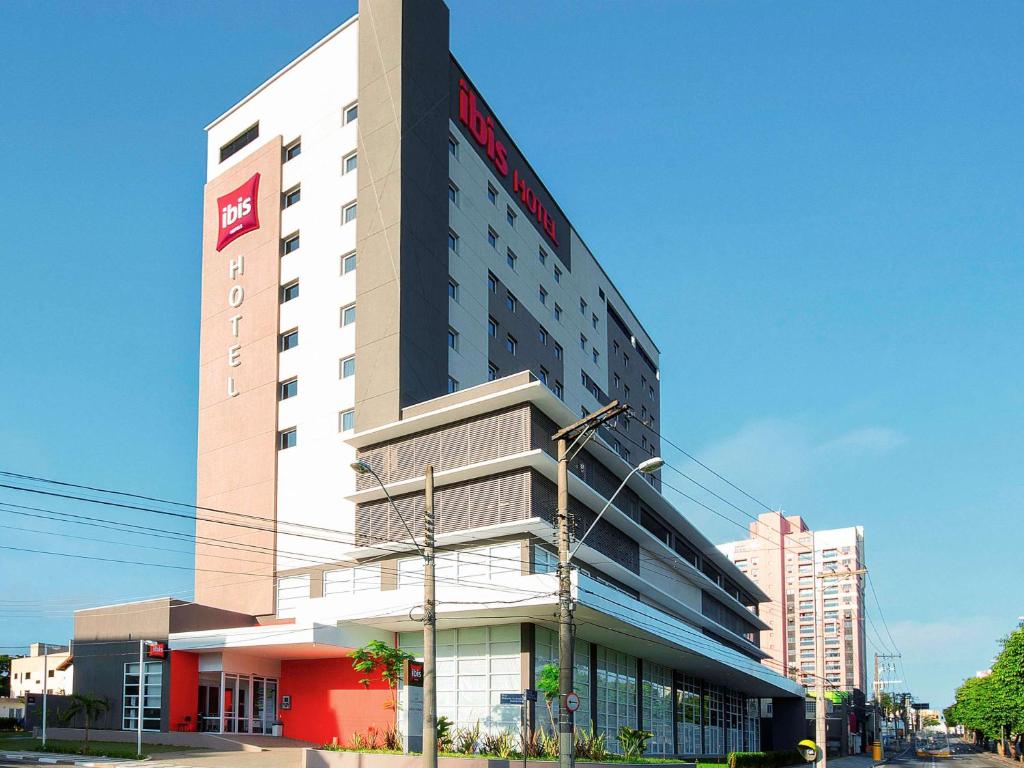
[(807, 575), (387, 279)]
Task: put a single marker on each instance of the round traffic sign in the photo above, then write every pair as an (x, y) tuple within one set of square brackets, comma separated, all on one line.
[(572, 701), (811, 752)]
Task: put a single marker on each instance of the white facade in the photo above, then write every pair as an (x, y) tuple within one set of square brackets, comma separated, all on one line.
[(28, 673)]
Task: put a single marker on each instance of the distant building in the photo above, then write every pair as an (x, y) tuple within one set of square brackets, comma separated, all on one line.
[(45, 662), (792, 563)]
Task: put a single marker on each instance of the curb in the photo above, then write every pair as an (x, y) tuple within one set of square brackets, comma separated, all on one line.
[(70, 760)]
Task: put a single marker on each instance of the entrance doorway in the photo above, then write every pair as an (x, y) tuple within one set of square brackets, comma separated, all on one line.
[(234, 703)]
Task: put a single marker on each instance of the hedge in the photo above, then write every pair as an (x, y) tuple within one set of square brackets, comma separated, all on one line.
[(777, 759)]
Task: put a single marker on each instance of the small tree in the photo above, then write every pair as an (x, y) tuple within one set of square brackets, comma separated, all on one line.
[(90, 707), (377, 656), (547, 683)]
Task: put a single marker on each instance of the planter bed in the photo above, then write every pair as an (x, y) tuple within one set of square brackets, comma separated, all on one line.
[(323, 758)]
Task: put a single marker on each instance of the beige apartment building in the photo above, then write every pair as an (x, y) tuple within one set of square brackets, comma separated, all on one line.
[(45, 662), (809, 576)]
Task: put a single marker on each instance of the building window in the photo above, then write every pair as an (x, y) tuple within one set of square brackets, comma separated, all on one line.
[(348, 263), (453, 339), (347, 367), (558, 275), (616, 381), (583, 306), (347, 421), (558, 313), (351, 113), (593, 321), (148, 692), (510, 216), (559, 390), (348, 213), (583, 342), (492, 238), (288, 389), (453, 146), (511, 344), (290, 291), (293, 150), (492, 283), (286, 438), (542, 295), (511, 302), (650, 392), (492, 195), (453, 242), (492, 327), (542, 335), (542, 256), (350, 162), (595, 355), (290, 244), (292, 196), (247, 136), (348, 315), (625, 392), (543, 376), (453, 385), (453, 289), (492, 372), (453, 193), (511, 258), (558, 351), (625, 360), (289, 340)]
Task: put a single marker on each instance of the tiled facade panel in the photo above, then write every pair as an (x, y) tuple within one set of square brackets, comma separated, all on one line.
[(492, 500), (534, 345)]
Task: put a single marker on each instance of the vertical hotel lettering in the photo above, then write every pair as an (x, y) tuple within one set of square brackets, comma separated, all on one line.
[(238, 214)]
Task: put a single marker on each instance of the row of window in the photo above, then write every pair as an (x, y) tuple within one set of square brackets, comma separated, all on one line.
[(289, 438)]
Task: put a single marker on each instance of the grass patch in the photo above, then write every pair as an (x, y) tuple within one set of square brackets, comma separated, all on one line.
[(96, 748)]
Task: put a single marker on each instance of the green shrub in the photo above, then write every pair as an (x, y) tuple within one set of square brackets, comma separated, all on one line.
[(445, 738), (777, 759), (589, 745), (466, 739), (501, 744), (10, 724), (634, 742)]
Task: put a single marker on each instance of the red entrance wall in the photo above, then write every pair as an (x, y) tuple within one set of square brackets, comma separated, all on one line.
[(184, 690), (328, 701)]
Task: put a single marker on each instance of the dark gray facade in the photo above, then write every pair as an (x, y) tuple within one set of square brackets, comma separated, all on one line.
[(535, 348)]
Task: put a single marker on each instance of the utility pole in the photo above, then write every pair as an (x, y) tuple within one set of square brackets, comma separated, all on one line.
[(429, 626), (580, 430), (46, 677), (821, 723)]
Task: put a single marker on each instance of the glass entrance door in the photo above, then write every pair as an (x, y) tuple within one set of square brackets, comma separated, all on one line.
[(264, 704)]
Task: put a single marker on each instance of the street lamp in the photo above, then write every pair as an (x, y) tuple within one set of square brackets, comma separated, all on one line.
[(429, 746), (644, 467)]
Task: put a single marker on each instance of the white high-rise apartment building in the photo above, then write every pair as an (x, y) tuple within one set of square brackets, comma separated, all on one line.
[(807, 576)]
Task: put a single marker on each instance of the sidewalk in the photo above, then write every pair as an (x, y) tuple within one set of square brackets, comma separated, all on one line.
[(55, 758)]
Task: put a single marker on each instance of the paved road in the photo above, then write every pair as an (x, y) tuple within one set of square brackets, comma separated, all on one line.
[(963, 756)]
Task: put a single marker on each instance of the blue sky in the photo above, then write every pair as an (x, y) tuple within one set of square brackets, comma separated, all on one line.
[(815, 208)]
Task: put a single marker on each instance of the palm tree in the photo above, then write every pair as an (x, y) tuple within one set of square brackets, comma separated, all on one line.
[(87, 705)]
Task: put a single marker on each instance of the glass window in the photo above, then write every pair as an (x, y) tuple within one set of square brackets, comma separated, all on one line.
[(492, 327), (492, 372), (290, 243), (453, 193), (492, 238), (542, 256), (558, 351), (583, 307), (688, 714), (511, 344), (657, 708), (542, 336), (558, 275), (492, 283), (287, 438), (453, 146), (559, 390), (148, 693), (583, 342), (247, 136), (348, 263), (351, 113), (347, 367), (542, 374), (292, 196), (350, 162), (347, 420), (290, 291), (453, 385), (511, 302), (510, 216), (453, 289), (511, 258), (293, 150), (558, 313), (289, 388), (546, 652), (492, 195), (616, 694), (542, 295), (348, 314), (348, 213), (453, 242), (289, 340), (362, 578), (453, 339)]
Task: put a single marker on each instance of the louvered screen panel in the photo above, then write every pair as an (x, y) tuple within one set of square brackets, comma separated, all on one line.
[(455, 446)]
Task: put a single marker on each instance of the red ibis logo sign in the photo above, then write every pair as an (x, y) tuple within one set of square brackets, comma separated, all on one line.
[(481, 127), (237, 212)]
